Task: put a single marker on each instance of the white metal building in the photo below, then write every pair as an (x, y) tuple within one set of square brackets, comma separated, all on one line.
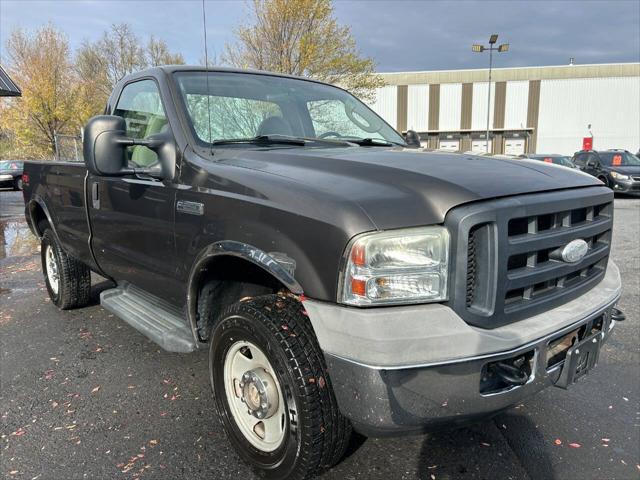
[(532, 109)]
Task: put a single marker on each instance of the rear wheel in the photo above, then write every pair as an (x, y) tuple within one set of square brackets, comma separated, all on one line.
[(272, 390), (68, 280)]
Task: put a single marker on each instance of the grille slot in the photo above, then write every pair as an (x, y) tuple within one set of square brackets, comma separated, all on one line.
[(541, 276), (471, 267), (481, 267)]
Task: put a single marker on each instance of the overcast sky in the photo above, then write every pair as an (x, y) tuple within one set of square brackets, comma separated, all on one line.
[(399, 35)]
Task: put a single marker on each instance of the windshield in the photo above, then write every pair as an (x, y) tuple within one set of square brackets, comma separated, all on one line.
[(619, 159), (244, 106)]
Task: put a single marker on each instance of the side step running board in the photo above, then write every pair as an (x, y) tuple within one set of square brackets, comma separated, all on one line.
[(151, 316)]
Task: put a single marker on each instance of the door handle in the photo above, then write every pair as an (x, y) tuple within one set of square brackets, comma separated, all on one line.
[(95, 195)]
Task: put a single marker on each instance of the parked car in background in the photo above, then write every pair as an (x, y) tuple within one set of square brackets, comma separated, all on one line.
[(618, 169), (11, 174), (505, 156), (554, 158)]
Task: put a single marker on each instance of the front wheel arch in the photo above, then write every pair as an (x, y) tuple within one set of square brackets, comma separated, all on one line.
[(226, 272)]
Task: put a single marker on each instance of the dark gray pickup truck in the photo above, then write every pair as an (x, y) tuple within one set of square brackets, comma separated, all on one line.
[(340, 279)]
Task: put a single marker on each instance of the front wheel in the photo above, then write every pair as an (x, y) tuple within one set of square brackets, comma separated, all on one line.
[(605, 180), (272, 390), (17, 183)]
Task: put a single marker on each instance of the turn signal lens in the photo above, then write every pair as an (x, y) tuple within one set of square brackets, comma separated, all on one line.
[(358, 287)]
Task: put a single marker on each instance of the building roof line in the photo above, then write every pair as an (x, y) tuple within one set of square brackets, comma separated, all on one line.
[(582, 65), (8, 88), (605, 70)]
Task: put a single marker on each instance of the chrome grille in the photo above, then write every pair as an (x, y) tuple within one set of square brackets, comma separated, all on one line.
[(505, 269), (532, 274)]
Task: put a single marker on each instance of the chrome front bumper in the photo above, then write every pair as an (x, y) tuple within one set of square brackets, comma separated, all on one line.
[(410, 369)]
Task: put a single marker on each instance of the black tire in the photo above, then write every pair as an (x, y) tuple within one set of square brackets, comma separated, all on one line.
[(17, 183), (316, 433), (74, 277), (605, 180)]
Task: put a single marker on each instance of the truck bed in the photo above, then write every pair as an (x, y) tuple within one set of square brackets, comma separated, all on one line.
[(57, 191)]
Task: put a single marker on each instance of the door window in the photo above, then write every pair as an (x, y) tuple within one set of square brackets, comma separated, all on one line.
[(580, 160), (141, 107), (592, 160)]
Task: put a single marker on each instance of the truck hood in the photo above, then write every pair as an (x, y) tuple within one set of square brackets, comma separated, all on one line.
[(399, 187)]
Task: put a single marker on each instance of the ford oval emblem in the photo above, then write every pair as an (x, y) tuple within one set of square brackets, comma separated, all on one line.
[(574, 251)]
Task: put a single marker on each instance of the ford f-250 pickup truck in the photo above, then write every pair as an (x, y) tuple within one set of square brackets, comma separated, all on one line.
[(340, 279)]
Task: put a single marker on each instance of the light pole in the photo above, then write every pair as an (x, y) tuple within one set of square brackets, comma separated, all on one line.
[(479, 49)]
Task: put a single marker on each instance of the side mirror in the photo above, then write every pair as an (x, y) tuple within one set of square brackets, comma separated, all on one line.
[(413, 139), (105, 149)]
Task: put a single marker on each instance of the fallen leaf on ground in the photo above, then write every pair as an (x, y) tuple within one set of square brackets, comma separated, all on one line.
[(575, 445), (558, 441), (95, 389)]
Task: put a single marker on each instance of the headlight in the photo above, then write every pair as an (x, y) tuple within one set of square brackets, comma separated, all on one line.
[(396, 267), (619, 176)]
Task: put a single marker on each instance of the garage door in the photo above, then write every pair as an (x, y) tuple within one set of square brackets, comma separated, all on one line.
[(451, 145), (514, 146), (480, 146)]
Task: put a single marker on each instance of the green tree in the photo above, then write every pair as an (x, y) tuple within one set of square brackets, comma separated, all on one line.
[(119, 52), (41, 65), (157, 53), (302, 37)]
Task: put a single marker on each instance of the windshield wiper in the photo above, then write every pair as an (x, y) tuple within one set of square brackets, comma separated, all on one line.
[(282, 140), (374, 142), (262, 140)]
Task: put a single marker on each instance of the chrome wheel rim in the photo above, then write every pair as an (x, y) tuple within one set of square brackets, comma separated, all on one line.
[(254, 396), (52, 269)]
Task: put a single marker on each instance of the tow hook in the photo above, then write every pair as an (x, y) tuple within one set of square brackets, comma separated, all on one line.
[(617, 315), (512, 373), (506, 374)]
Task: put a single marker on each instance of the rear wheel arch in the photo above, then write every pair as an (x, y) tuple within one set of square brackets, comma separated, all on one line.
[(226, 272), (39, 218)]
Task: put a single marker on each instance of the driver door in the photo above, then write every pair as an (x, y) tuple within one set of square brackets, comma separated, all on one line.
[(132, 218)]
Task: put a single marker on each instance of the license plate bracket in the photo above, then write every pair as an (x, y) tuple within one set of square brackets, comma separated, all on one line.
[(580, 359)]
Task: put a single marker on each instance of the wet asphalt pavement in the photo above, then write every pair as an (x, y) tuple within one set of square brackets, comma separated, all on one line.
[(83, 395)]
